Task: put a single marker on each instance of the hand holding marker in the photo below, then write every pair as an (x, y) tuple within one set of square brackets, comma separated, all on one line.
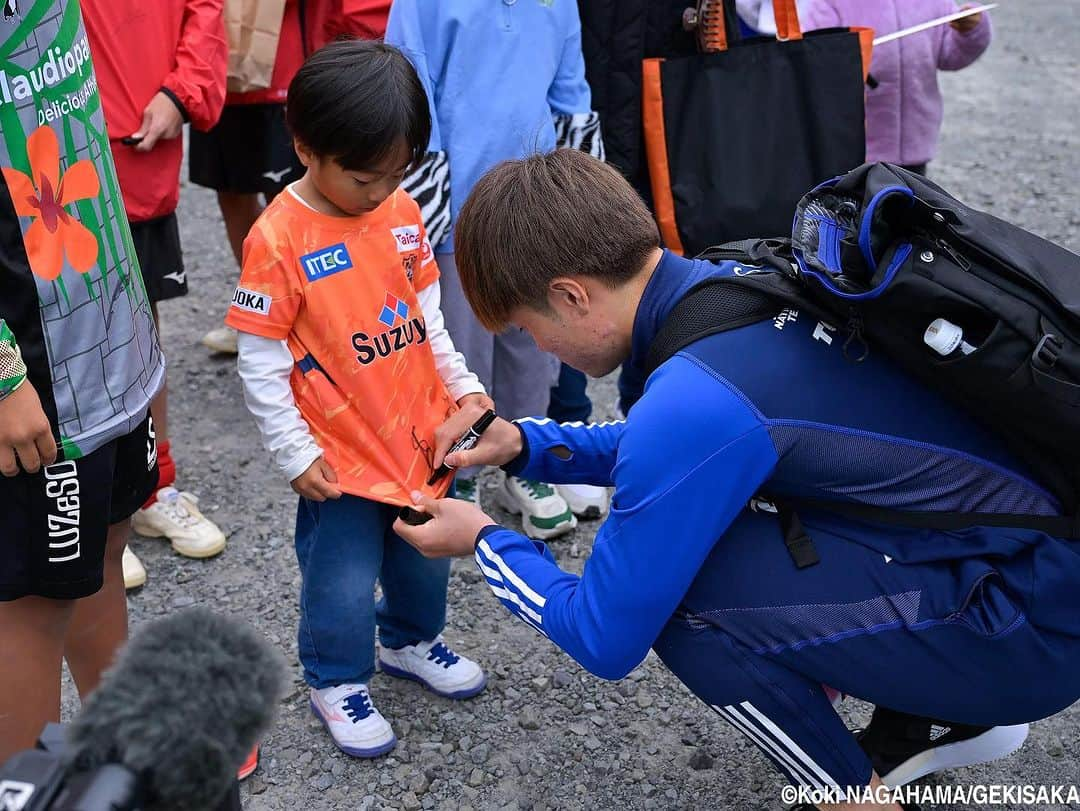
[(466, 442)]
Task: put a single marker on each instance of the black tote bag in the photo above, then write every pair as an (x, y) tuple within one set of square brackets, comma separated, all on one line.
[(735, 137)]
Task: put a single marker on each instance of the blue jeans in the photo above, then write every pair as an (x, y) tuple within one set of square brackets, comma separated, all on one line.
[(569, 402), (343, 546)]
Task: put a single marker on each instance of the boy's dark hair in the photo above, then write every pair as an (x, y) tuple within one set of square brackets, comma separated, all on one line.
[(355, 100), (529, 221)]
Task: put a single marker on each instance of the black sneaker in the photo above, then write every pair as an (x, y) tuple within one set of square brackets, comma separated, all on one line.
[(906, 747)]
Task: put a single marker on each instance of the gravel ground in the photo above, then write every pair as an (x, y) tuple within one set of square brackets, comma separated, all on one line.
[(546, 734)]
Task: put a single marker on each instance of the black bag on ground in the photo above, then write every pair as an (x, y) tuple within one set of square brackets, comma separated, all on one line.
[(898, 264)]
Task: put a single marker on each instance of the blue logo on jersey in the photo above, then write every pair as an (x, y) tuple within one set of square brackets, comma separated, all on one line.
[(393, 309), (327, 262)]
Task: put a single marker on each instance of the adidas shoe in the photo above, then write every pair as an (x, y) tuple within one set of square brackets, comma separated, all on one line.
[(544, 513), (176, 516), (357, 728), (585, 500), (134, 573), (435, 666), (906, 747), (221, 340), (467, 489)]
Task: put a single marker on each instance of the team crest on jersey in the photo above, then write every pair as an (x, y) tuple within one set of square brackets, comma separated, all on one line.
[(400, 333), (326, 262)]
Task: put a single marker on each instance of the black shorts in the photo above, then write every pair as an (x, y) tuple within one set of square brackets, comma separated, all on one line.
[(157, 245), (249, 151), (56, 521)]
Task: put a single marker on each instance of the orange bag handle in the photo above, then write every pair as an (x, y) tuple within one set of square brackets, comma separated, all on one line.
[(652, 99), (787, 20)]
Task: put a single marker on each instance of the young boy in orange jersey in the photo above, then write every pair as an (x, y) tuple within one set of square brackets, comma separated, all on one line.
[(348, 370)]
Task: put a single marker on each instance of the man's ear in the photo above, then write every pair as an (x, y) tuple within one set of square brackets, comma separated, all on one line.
[(568, 296)]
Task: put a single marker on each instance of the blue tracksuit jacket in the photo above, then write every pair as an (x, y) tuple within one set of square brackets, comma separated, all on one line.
[(776, 404)]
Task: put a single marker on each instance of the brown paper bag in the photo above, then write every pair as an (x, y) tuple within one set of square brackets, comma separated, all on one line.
[(253, 28)]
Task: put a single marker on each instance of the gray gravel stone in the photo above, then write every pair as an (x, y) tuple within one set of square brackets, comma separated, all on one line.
[(529, 719)]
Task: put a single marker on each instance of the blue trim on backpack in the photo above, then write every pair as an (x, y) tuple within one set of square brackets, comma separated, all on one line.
[(868, 217), (829, 239), (901, 255)]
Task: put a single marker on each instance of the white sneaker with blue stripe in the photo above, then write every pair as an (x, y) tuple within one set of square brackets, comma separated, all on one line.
[(435, 666), (357, 728)]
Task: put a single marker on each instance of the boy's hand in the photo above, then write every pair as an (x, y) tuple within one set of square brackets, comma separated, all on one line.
[(966, 24), (472, 407), (161, 119), (450, 533), (25, 435), (318, 482)]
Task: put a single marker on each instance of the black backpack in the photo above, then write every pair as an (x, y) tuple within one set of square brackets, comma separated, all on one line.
[(882, 254)]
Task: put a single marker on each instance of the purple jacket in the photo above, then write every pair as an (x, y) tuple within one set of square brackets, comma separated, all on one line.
[(903, 113)]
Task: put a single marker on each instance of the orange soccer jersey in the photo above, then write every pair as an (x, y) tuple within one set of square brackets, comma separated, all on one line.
[(341, 291)]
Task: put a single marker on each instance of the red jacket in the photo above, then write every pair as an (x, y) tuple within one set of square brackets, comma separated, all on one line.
[(139, 48), (324, 21)]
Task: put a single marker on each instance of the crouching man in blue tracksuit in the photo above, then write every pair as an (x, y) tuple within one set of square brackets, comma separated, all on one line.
[(964, 636)]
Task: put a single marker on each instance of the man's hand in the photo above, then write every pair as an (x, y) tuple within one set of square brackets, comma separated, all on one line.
[(499, 444), (450, 533), (25, 436), (318, 482), (471, 408), (160, 119), (966, 24)]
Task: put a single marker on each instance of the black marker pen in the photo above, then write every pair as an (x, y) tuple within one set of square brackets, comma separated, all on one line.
[(468, 440)]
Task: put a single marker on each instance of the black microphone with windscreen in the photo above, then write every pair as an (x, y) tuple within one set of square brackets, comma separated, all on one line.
[(166, 730)]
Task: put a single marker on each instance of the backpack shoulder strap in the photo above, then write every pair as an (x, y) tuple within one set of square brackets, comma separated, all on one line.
[(726, 303)]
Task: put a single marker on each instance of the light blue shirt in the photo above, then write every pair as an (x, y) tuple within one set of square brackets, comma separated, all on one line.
[(495, 72)]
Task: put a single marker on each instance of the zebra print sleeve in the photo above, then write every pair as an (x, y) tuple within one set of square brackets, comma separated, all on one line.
[(580, 131), (429, 186)]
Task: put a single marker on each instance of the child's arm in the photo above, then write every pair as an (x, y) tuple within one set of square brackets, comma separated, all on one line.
[(263, 311), (25, 435), (960, 47), (197, 83), (265, 365), (577, 125)]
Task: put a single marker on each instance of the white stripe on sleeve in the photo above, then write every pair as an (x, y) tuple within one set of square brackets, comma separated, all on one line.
[(510, 578)]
